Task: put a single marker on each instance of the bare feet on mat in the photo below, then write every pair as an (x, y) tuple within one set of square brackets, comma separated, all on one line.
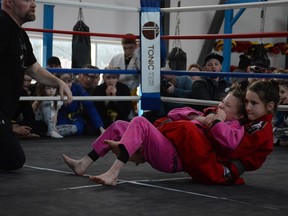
[(105, 179), (78, 167)]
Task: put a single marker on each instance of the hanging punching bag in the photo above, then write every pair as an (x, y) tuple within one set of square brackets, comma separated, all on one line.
[(258, 54), (177, 58), (81, 45)]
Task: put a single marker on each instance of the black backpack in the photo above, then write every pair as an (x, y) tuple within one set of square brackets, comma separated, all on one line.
[(259, 56)]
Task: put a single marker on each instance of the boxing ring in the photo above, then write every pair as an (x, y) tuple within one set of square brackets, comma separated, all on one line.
[(46, 186), (150, 93)]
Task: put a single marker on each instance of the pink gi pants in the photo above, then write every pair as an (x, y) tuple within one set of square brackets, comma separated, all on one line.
[(157, 149)]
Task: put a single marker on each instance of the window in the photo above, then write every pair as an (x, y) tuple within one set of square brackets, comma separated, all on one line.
[(62, 48), (101, 51), (37, 45), (105, 51)]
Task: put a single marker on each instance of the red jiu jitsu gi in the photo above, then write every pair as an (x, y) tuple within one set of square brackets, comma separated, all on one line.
[(204, 161)]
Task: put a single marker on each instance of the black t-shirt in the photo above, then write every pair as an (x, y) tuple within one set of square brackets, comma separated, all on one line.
[(16, 54)]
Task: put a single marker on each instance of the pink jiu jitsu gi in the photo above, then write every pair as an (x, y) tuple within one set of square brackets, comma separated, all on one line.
[(157, 149), (227, 134)]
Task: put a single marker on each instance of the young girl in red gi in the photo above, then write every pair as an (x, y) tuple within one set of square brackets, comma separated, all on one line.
[(204, 158), (140, 141)]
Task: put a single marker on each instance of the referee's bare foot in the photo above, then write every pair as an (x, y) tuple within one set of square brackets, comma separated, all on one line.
[(79, 167)]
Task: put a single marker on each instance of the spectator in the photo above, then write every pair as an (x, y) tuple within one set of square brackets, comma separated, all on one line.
[(24, 121), (48, 111), (210, 88), (90, 80), (111, 111), (281, 118), (129, 60), (54, 62), (171, 86), (244, 67), (195, 68), (73, 113)]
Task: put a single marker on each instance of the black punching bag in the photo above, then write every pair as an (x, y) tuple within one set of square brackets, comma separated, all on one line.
[(81, 45)]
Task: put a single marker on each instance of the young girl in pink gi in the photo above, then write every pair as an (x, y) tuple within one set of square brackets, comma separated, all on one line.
[(140, 141)]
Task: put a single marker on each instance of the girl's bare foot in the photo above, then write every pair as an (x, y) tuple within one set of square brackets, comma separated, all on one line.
[(79, 167), (110, 177), (105, 179)]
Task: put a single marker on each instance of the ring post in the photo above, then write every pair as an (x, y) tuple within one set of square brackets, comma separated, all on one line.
[(150, 54), (228, 29), (48, 22)]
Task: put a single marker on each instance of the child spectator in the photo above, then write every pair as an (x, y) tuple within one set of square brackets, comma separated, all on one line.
[(281, 117), (129, 60), (24, 121), (111, 111), (48, 110)]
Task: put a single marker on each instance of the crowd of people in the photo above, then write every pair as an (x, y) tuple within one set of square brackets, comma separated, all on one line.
[(209, 143), (214, 145)]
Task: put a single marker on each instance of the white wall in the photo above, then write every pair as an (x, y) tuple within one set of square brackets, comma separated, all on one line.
[(99, 21), (103, 21), (249, 22)]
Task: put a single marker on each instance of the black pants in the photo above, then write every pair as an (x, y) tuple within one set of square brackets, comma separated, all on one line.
[(12, 156), (38, 127)]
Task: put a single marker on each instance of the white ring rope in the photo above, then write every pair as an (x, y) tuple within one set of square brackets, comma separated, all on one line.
[(171, 9), (82, 98), (190, 101), (89, 5), (133, 98), (225, 6), (206, 102)]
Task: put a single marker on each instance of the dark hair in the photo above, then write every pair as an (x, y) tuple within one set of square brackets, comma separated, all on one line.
[(268, 91), (241, 109), (240, 95), (196, 66), (213, 56), (129, 40), (283, 82), (90, 66), (53, 60), (40, 91)]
